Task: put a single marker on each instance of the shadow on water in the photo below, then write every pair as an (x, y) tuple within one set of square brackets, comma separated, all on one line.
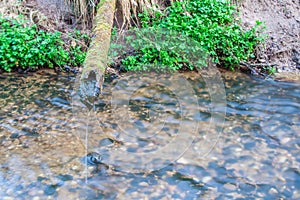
[(43, 148)]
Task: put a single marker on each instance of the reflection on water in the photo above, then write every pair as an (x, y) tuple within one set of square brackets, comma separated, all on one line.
[(42, 139)]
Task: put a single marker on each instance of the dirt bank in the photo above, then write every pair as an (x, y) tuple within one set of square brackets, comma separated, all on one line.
[(282, 20)]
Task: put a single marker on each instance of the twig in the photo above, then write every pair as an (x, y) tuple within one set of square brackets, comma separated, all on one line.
[(255, 71), (65, 34), (257, 64)]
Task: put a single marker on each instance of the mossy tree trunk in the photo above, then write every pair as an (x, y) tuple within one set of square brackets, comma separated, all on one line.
[(97, 55)]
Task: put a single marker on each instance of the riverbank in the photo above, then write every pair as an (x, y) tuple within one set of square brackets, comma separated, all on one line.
[(281, 50), (282, 46)]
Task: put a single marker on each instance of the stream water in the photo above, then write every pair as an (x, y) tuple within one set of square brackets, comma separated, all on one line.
[(165, 138)]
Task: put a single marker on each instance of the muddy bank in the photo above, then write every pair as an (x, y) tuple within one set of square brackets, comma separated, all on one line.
[(282, 21)]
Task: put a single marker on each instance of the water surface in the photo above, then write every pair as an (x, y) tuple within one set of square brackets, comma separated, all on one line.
[(173, 127)]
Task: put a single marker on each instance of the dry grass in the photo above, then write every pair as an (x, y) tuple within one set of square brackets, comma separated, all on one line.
[(13, 9), (84, 10)]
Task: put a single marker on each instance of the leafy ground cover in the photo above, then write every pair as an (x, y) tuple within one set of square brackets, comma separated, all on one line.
[(26, 46), (212, 24)]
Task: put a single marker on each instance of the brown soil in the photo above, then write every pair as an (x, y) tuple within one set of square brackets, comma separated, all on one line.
[(282, 21)]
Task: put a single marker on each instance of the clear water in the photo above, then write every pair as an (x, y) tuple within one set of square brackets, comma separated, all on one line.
[(159, 137)]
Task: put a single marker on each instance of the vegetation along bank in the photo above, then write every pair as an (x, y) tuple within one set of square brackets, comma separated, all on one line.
[(37, 34)]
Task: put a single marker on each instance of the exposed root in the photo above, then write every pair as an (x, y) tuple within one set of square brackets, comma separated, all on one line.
[(128, 10)]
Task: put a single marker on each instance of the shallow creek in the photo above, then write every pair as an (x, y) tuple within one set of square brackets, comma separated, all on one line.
[(157, 137)]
